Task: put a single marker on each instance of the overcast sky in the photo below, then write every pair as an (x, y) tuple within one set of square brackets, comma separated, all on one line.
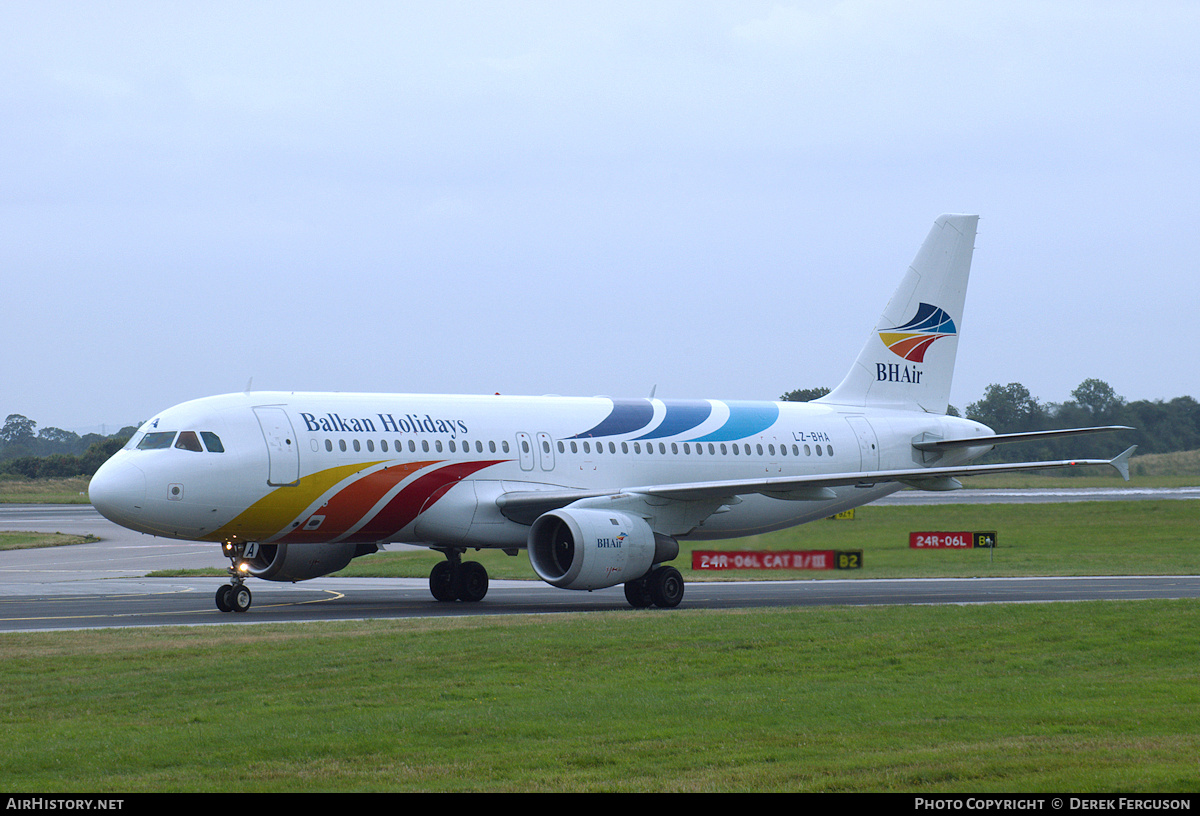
[(585, 198)]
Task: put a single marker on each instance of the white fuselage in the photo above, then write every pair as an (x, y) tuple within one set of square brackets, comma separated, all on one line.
[(333, 467)]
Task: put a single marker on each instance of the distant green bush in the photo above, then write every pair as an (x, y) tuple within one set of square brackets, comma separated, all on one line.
[(64, 465)]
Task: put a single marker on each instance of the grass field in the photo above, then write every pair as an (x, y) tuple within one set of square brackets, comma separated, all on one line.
[(25, 541), (1082, 697), (15, 490)]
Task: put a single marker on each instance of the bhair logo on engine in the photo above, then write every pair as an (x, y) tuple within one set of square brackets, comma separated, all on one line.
[(911, 340), (611, 543)]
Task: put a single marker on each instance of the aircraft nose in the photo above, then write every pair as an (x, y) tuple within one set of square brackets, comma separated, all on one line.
[(118, 491)]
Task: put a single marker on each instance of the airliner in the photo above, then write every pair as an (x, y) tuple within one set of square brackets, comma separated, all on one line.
[(598, 491)]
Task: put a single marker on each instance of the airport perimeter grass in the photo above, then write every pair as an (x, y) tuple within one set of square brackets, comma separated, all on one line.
[(27, 541), (1080, 697), (17, 490)]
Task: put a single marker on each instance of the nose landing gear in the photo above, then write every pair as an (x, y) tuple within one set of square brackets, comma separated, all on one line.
[(234, 596)]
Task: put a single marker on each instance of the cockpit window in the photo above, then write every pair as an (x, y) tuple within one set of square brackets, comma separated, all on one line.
[(186, 440), (157, 440), (189, 441)]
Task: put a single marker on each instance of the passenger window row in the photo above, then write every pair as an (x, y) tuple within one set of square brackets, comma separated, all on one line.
[(736, 449), (425, 446), (587, 447)]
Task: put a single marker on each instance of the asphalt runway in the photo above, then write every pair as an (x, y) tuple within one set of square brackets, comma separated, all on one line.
[(129, 602), (102, 584)]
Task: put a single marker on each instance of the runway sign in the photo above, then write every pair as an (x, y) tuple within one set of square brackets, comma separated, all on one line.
[(951, 541), (777, 559)]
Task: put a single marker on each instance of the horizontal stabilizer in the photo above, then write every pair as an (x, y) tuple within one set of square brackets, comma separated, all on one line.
[(998, 439)]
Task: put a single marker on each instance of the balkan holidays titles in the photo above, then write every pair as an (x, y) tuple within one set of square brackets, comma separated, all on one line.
[(407, 424)]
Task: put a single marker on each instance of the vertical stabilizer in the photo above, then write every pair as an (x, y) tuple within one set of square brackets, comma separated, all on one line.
[(908, 360)]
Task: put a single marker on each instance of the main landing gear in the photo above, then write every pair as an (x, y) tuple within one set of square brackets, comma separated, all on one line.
[(458, 580), (234, 596), (661, 587)]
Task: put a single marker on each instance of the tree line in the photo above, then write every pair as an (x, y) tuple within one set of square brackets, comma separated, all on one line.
[(1159, 426), (52, 452)]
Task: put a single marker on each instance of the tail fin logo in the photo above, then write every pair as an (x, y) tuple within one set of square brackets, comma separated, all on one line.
[(914, 338)]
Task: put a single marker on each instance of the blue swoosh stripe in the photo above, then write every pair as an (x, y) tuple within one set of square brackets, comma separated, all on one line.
[(929, 318), (628, 415), (745, 419), (681, 417)]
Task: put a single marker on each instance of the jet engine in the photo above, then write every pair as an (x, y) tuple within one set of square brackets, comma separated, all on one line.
[(301, 561), (585, 548)]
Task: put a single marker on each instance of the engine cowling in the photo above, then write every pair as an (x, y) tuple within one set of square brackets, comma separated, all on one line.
[(302, 561), (585, 548)]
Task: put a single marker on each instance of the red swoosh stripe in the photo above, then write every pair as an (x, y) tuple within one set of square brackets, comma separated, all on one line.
[(347, 507), (914, 348), (412, 499)]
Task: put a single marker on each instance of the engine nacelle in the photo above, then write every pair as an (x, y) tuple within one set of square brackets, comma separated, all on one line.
[(302, 561), (585, 548)]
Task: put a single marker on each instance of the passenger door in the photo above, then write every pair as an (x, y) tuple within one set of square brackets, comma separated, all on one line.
[(282, 449), (868, 447), (545, 450), (525, 450)]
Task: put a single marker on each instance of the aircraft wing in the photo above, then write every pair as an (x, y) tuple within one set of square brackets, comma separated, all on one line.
[(525, 506)]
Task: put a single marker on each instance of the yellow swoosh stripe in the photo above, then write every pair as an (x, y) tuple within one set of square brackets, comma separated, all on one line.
[(274, 511)]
